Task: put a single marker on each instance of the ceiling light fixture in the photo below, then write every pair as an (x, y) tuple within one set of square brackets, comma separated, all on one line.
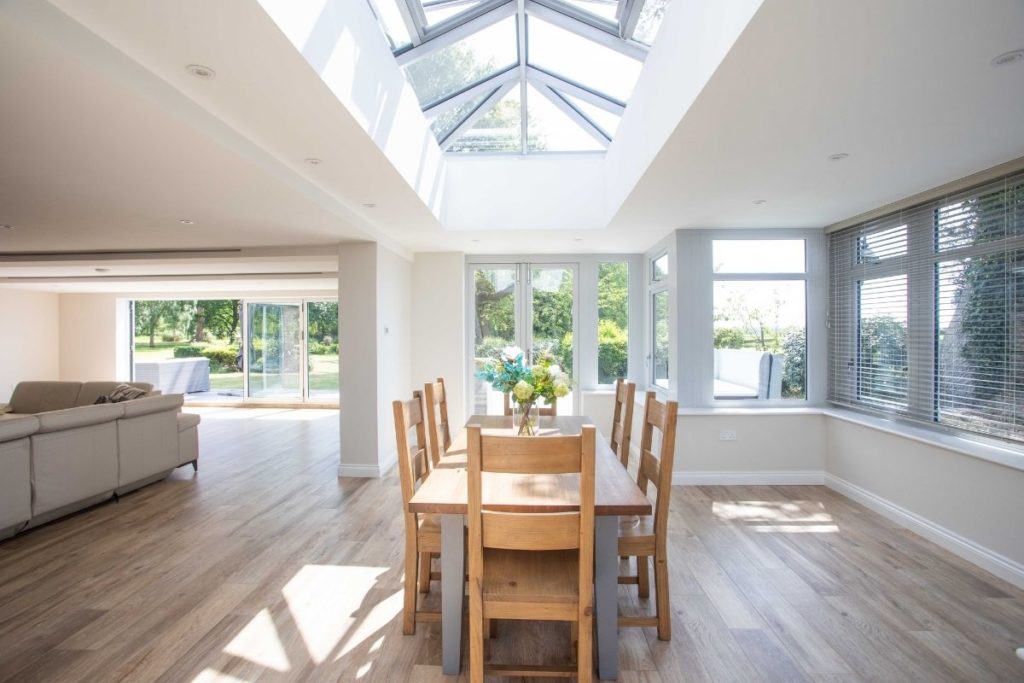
[(199, 71), (1007, 58), (839, 156), (102, 270), (759, 202), (4, 226), (187, 221), (474, 240), (369, 205), (577, 239), (313, 161)]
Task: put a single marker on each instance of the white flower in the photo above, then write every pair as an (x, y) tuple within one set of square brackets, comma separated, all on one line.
[(511, 352), (539, 371), (555, 370), (522, 390), (561, 389)]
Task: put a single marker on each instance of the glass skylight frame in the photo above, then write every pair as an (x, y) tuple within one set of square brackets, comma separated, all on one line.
[(426, 39)]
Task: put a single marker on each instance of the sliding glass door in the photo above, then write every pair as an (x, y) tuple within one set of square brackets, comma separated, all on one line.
[(274, 350), (532, 306)]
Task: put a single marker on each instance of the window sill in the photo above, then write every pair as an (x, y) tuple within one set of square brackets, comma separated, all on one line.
[(1006, 456), (739, 410)]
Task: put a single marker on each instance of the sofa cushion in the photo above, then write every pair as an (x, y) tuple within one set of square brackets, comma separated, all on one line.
[(40, 397), (71, 418), (152, 404), (187, 421), (91, 391), (17, 426)]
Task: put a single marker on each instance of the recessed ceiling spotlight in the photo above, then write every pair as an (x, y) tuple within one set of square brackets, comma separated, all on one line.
[(187, 221), (759, 202), (5, 226), (102, 270), (1007, 58), (200, 71), (313, 161), (369, 205), (577, 239), (474, 240), (839, 156)]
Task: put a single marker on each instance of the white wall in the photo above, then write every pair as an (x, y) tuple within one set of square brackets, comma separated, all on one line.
[(29, 338), (969, 505), (439, 326), (394, 315), (93, 337)]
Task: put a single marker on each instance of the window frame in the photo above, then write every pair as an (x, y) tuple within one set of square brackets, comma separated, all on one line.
[(667, 283)]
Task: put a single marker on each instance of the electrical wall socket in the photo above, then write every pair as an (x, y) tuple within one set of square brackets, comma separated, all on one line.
[(727, 435)]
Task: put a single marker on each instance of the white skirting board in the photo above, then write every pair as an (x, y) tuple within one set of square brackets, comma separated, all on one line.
[(989, 560), (751, 478), (369, 471)]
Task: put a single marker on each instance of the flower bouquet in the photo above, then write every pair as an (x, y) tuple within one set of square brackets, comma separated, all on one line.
[(509, 374)]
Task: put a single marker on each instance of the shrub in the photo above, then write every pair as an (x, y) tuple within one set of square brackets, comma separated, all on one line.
[(188, 351), (324, 348), (612, 354), (490, 347), (168, 337), (222, 358), (794, 348)]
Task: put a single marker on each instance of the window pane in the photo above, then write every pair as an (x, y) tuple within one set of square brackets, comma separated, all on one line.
[(975, 220), (981, 344), (612, 321), (472, 59), (603, 9), (659, 268), (391, 21), (437, 11), (494, 328), (551, 130), (650, 21), (758, 256), (882, 341), (581, 60), (322, 336), (552, 293), (760, 339), (499, 130), (882, 244), (660, 352), (605, 120), (445, 123)]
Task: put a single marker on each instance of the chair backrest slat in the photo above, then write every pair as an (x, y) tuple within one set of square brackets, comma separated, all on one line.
[(437, 419), (413, 466), (657, 468), (622, 420), (531, 455)]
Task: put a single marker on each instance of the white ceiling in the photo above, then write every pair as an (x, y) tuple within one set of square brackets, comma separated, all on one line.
[(107, 143)]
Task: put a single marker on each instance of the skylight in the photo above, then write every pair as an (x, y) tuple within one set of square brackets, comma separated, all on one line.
[(521, 76)]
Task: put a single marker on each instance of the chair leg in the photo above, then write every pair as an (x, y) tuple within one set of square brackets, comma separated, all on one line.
[(574, 639), (643, 577), (585, 652), (476, 643), (662, 605), (409, 608), (424, 573)]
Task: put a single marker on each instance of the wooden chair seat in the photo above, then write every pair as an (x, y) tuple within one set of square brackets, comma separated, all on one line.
[(515, 581), (639, 539)]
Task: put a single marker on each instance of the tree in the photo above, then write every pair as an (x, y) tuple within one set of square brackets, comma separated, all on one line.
[(148, 317), (495, 309)]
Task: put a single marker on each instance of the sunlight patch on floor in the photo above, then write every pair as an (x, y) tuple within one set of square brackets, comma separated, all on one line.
[(260, 643), (214, 676), (775, 517)]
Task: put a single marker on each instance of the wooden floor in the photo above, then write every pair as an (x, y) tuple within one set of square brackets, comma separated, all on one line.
[(266, 566)]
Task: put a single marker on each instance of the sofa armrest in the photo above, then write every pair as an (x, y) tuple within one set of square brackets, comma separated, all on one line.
[(17, 427), (152, 404), (83, 416)]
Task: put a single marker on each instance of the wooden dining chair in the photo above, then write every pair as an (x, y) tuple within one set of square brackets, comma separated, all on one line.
[(531, 566), (650, 537), (422, 531), (437, 419), (542, 411), (622, 420)]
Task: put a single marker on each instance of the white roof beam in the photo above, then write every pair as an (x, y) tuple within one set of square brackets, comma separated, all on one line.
[(628, 22), (455, 34), (471, 93), (522, 48), (484, 107), (580, 120), (601, 36), (410, 11), (568, 87)]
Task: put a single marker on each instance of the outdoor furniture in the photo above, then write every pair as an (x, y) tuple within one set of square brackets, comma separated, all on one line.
[(531, 565), (175, 376), (615, 493), (649, 537)]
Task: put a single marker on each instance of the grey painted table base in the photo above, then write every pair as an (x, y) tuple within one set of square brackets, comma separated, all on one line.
[(606, 590)]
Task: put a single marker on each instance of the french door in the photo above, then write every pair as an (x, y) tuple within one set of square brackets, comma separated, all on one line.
[(530, 305)]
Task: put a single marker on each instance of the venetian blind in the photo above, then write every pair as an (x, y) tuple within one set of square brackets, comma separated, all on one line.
[(926, 315)]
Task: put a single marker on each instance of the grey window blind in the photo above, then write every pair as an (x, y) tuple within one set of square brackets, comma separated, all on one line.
[(926, 313)]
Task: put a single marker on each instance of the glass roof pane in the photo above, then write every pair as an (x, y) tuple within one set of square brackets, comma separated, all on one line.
[(437, 11), (605, 120), (474, 58), (550, 130), (581, 60), (447, 122), (499, 130), (604, 9), (391, 21), (649, 21)]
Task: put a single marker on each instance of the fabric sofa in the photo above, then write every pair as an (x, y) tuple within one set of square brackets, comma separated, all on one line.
[(61, 452)]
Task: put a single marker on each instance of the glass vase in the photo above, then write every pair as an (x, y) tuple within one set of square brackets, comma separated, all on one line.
[(524, 418)]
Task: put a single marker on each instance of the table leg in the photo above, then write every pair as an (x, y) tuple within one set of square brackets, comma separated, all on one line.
[(606, 594), (452, 573)]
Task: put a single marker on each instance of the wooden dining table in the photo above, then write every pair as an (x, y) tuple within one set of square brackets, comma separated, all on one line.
[(444, 492)]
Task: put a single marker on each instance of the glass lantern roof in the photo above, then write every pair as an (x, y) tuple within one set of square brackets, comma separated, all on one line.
[(521, 76)]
